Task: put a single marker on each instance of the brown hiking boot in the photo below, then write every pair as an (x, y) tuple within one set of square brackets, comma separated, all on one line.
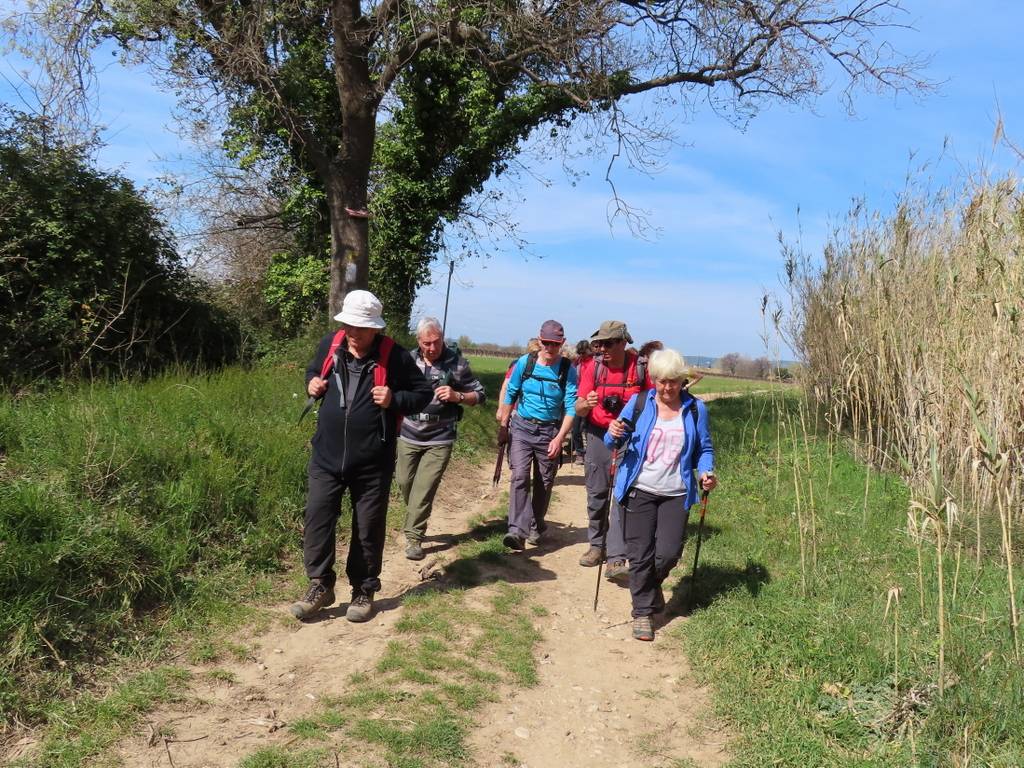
[(617, 569), (642, 628), (360, 608), (591, 557), (317, 596)]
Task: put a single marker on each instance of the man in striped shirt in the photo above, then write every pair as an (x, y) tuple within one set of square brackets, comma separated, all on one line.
[(426, 441)]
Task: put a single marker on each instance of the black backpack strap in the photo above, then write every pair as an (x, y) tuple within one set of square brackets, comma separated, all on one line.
[(563, 374), (638, 407), (531, 363)]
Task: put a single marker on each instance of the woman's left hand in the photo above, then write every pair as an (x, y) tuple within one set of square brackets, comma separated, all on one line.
[(708, 481)]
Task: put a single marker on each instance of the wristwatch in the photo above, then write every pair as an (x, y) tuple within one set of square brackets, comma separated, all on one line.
[(462, 396)]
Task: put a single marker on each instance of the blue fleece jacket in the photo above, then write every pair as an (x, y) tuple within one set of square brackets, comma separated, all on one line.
[(698, 453)]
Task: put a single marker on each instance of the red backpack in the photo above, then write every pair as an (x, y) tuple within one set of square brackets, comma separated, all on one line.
[(380, 370)]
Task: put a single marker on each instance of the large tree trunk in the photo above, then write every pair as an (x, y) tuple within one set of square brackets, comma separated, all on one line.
[(346, 200)]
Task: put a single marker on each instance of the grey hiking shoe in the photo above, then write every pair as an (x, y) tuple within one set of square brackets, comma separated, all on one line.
[(617, 569), (317, 596), (513, 542), (414, 551), (591, 557), (642, 628), (360, 608)]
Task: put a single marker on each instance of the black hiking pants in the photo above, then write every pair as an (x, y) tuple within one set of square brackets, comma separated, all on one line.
[(654, 528), (369, 487)]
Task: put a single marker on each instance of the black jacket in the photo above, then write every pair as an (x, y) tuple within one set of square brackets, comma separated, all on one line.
[(360, 434)]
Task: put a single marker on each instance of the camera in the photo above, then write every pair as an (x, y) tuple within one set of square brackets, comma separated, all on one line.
[(612, 403)]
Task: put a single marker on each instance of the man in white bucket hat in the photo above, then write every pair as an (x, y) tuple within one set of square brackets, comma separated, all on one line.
[(366, 383)]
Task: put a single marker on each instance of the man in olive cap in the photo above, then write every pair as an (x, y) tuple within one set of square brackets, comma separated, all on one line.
[(607, 381)]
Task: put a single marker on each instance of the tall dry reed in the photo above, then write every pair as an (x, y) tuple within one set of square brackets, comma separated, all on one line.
[(912, 331)]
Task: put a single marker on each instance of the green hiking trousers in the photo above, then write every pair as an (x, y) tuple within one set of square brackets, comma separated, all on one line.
[(419, 471)]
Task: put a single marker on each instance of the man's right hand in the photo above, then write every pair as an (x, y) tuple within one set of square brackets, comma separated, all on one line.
[(592, 399), (316, 387)]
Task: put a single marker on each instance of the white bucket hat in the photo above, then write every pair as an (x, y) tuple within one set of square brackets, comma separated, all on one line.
[(361, 309)]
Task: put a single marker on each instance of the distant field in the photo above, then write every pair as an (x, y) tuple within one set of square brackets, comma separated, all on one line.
[(725, 384)]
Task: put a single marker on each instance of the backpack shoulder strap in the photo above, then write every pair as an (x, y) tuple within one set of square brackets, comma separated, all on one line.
[(563, 374), (638, 407), (531, 363), (640, 371), (328, 363), (380, 371), (692, 408)]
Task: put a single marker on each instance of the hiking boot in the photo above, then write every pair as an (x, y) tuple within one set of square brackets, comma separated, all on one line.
[(513, 542), (617, 569), (317, 596), (360, 608), (414, 551), (592, 557), (642, 628)]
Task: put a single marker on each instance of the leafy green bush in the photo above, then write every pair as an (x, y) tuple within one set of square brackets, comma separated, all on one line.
[(90, 282)]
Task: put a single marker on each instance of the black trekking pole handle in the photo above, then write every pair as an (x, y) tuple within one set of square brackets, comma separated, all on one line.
[(700, 531)]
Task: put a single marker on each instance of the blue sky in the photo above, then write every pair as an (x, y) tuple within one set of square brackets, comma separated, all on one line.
[(719, 202)]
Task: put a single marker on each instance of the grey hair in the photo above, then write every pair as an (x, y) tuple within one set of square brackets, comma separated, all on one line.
[(667, 365), (428, 324)]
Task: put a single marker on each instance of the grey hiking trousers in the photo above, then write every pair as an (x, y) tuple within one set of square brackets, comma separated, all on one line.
[(528, 449), (597, 465)]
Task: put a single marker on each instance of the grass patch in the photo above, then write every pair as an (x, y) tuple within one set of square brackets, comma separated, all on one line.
[(416, 706), (83, 729), (812, 659), (135, 515)]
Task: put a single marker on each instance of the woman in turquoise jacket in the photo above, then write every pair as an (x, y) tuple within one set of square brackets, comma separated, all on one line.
[(655, 484)]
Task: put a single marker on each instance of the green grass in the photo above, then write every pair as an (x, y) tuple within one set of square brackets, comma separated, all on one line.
[(136, 515), (414, 708), (83, 728), (811, 678), (710, 384)]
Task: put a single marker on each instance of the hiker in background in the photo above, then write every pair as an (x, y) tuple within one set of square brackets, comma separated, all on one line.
[(583, 354), (367, 383), (426, 440), (543, 390), (649, 348), (607, 381), (655, 486)]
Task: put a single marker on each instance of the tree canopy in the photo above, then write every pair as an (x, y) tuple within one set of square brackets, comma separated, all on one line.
[(452, 88)]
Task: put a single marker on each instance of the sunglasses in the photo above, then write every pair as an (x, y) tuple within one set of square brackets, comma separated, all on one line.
[(551, 343), (603, 344)]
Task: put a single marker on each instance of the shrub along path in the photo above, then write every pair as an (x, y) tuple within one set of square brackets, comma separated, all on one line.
[(564, 686)]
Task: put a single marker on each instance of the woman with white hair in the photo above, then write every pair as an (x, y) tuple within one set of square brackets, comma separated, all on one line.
[(666, 438)]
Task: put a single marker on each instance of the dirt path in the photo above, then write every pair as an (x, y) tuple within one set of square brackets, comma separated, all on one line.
[(603, 699)]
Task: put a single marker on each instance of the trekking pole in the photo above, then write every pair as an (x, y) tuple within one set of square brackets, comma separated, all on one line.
[(604, 522), (447, 293), (700, 531)]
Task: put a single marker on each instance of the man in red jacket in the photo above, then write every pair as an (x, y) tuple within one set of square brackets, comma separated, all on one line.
[(607, 381)]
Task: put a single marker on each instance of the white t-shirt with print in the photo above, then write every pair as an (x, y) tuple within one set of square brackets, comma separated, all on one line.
[(660, 474)]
